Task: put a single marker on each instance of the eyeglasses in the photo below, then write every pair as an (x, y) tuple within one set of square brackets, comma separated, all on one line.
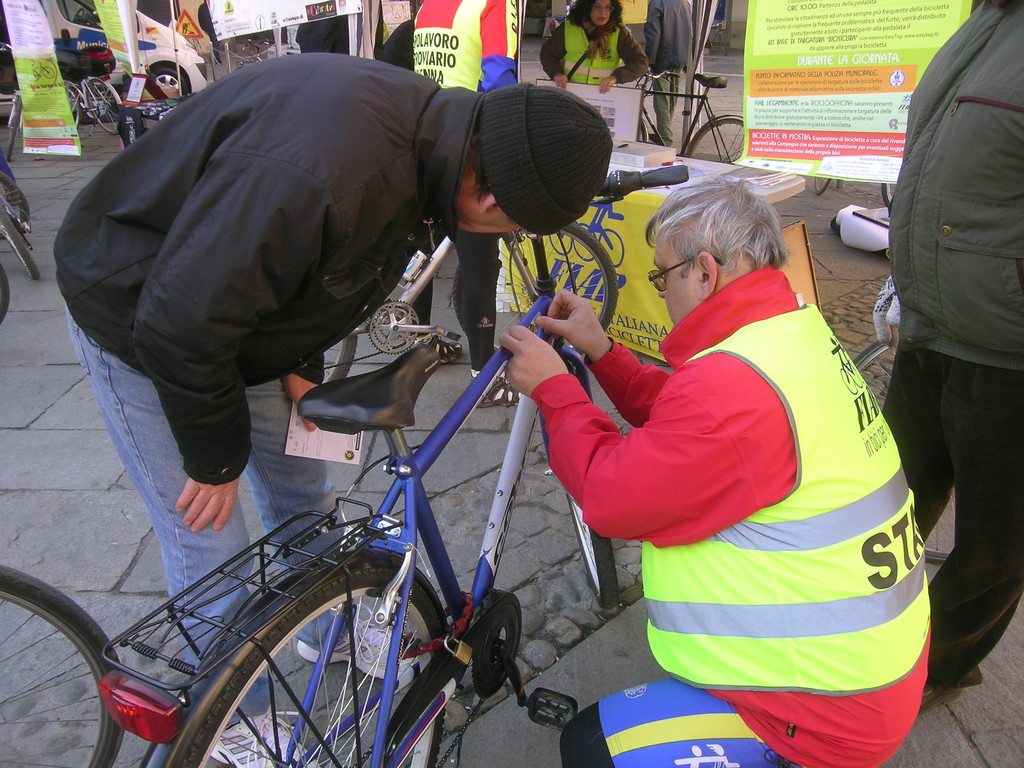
[(657, 276)]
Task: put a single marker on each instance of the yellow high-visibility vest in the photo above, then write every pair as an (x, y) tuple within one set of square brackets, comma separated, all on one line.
[(594, 70), (824, 591)]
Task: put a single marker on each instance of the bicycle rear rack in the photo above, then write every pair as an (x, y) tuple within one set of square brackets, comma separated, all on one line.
[(275, 571)]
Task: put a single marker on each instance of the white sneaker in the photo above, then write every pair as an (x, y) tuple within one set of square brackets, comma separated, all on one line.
[(372, 644), (240, 747)]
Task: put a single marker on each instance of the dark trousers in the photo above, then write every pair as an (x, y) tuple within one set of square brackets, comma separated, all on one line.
[(479, 266), (962, 424)]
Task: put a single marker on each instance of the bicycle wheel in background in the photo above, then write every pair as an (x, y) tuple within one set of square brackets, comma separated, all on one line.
[(888, 190), (720, 141), (12, 233), (875, 364), (13, 125), (103, 101), (821, 184), (12, 193), (598, 557), (345, 687), (578, 263), (74, 100), (51, 713)]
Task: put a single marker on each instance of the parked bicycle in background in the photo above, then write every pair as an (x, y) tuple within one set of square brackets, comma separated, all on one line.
[(709, 136)]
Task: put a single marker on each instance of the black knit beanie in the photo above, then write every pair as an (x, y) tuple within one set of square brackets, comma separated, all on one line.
[(544, 153)]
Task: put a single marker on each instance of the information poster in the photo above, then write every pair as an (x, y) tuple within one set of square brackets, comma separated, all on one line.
[(827, 83), (121, 45), (232, 18), (47, 124)]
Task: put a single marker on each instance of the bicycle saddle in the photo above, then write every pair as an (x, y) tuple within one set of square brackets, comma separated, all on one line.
[(712, 81), (381, 399)]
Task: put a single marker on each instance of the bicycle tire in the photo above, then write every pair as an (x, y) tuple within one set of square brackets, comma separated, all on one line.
[(888, 190), (598, 556), (16, 199), (720, 140), (5, 293), (875, 363), (821, 184), (104, 103), (338, 359), (578, 263), (74, 92), (51, 712), (13, 235), (13, 126), (216, 708)]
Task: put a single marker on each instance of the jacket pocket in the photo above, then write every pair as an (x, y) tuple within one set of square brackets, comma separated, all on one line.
[(980, 271)]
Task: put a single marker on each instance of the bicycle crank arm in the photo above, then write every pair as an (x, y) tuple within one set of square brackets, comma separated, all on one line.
[(424, 330)]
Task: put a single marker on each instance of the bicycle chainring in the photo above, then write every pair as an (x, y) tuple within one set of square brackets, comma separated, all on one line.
[(502, 623), (384, 336)]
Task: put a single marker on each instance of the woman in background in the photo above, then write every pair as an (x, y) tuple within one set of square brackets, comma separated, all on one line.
[(593, 46)]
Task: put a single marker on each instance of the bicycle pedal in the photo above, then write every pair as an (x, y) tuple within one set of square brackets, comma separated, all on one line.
[(551, 708)]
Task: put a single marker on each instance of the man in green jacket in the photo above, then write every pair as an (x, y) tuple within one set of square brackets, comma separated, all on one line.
[(954, 403)]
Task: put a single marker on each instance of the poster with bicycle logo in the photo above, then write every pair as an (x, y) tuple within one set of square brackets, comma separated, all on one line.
[(827, 83), (48, 126)]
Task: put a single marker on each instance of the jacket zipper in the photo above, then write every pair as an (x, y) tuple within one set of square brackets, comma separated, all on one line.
[(990, 102)]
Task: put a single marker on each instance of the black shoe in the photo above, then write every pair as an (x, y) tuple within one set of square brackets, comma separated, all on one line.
[(500, 393), (934, 695), (448, 350)]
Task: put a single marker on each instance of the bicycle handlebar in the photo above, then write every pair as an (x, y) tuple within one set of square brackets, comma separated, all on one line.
[(621, 183)]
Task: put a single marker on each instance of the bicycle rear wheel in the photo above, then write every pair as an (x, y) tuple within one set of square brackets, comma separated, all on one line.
[(821, 184), (51, 713), (577, 262), (16, 199), (104, 102), (344, 711), (720, 140)]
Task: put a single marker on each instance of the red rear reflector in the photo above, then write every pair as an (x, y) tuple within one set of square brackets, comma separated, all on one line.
[(148, 713)]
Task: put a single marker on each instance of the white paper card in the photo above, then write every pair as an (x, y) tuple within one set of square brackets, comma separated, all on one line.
[(318, 444)]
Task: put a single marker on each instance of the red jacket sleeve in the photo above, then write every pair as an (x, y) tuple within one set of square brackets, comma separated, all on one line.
[(711, 445)]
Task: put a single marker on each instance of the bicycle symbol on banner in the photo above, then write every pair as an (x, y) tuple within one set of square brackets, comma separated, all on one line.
[(609, 238)]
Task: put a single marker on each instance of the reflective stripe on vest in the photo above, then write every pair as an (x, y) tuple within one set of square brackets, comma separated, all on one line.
[(823, 591), (591, 70)]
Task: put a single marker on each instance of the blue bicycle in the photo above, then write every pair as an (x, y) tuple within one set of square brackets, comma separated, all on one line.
[(356, 630)]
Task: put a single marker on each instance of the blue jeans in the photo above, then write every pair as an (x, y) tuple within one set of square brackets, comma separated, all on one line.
[(282, 486)]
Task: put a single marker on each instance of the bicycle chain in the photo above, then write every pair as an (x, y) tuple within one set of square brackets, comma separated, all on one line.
[(457, 739)]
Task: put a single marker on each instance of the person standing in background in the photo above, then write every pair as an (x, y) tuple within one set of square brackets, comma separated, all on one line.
[(667, 34), (470, 44), (593, 46), (954, 402)]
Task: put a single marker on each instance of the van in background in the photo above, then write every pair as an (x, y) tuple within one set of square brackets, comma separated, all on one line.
[(168, 56)]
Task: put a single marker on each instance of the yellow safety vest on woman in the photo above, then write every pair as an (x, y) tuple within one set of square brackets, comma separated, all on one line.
[(824, 591), (594, 70)]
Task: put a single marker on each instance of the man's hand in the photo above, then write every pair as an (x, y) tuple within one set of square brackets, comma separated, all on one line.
[(204, 504), (572, 317), (561, 81), (295, 387), (533, 360)]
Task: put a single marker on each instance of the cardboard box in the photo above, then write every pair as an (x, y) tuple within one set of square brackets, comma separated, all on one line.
[(634, 154)]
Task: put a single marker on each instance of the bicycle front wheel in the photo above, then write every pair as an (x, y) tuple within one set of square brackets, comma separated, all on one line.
[(720, 140), (344, 710), (5, 294), (821, 184), (578, 263), (16, 199), (338, 359), (50, 709), (104, 103)]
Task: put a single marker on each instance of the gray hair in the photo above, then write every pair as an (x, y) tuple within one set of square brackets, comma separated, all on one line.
[(723, 217)]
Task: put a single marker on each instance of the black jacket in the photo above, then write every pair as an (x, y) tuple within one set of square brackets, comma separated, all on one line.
[(256, 225)]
